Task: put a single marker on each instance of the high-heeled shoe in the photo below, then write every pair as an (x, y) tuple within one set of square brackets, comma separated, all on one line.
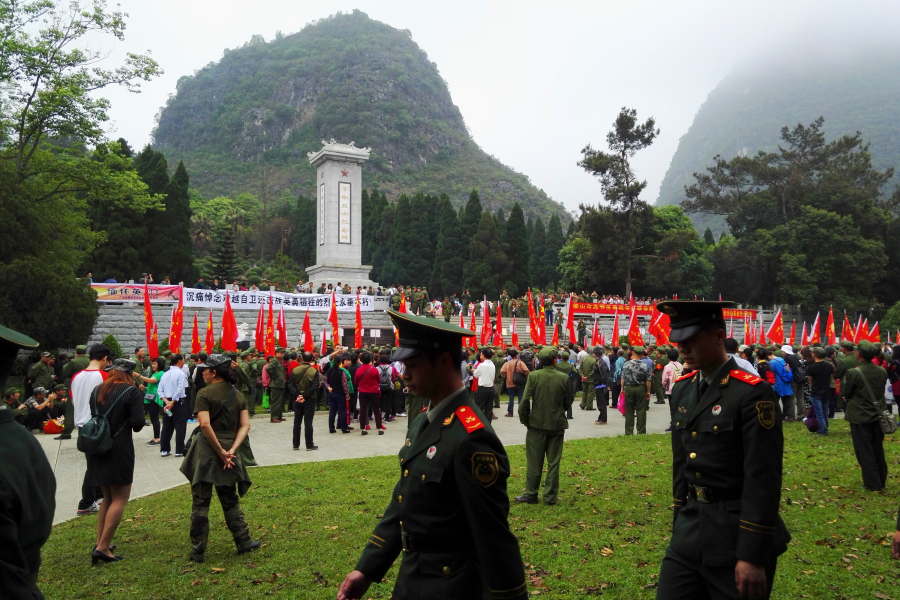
[(97, 556), (112, 547)]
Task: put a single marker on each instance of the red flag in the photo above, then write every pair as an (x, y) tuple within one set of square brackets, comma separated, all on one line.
[(814, 331), (177, 325), (210, 335), (776, 329), (153, 346), (498, 336), (634, 332), (333, 319), (229, 327), (846, 330), (148, 317), (803, 340), (858, 333), (259, 341), (357, 326), (462, 324), (532, 319), (793, 333), (747, 339), (324, 350), (862, 332), (473, 341), (542, 322), (402, 307), (889, 338), (875, 334), (595, 334), (570, 320), (554, 341), (270, 330), (282, 327), (615, 330), (762, 331), (515, 335), (195, 337), (830, 336), (663, 328), (308, 344), (485, 323)]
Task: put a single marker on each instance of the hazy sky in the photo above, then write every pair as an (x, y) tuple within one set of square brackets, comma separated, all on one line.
[(535, 81)]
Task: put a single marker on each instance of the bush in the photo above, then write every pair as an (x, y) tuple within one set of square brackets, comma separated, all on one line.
[(112, 343), (891, 320), (163, 345)]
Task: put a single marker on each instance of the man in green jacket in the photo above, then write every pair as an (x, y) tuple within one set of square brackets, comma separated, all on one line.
[(543, 409), (568, 369), (849, 361), (277, 384), (42, 373), (586, 370), (245, 368), (863, 389), (660, 360)]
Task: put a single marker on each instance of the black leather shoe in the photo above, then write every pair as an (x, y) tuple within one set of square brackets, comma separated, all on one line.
[(346, 430), (63, 437), (197, 558), (526, 500), (254, 545), (97, 556), (312, 448)]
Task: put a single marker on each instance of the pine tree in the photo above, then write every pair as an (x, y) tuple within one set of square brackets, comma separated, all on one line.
[(486, 260), (529, 228), (573, 227), (516, 246), (381, 251), (554, 244), (303, 239), (472, 217), (152, 169), (709, 238), (225, 257), (420, 253), (447, 273), (501, 222), (171, 231), (400, 245), (538, 251)]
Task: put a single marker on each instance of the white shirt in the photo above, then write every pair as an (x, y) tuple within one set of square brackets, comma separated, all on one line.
[(172, 384), (485, 374), (744, 364), (580, 357), (83, 383)]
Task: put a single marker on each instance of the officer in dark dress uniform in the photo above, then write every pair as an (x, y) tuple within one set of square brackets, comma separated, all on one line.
[(449, 511), (727, 448), (28, 493)]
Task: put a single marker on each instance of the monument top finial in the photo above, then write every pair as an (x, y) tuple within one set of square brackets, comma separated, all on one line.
[(336, 150)]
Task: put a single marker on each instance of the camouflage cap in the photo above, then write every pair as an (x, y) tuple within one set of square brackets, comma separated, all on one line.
[(124, 365), (245, 354), (218, 362), (40, 390)]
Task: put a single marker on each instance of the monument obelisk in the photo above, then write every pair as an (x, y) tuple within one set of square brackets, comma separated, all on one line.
[(339, 215)]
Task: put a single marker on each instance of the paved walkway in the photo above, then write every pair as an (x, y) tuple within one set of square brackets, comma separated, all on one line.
[(272, 446)]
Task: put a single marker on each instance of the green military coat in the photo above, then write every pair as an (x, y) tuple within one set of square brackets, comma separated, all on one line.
[(276, 373), (860, 407), (567, 369), (449, 512), (244, 377), (547, 397), (727, 448), (76, 365), (42, 375), (586, 368)]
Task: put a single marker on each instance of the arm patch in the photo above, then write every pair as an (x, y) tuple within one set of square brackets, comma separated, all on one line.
[(746, 377), (469, 419)]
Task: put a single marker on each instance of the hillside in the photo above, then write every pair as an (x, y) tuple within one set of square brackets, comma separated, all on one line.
[(747, 110), (346, 77)]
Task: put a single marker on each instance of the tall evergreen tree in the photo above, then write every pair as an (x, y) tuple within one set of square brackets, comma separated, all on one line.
[(709, 238), (529, 228), (373, 206), (401, 245), (171, 232), (472, 217), (447, 273), (516, 246), (382, 248), (538, 251), (303, 238), (152, 169), (486, 260), (573, 227), (419, 253), (225, 257), (554, 243), (501, 222)]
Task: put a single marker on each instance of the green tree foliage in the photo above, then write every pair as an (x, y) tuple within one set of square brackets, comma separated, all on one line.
[(554, 244), (447, 273), (708, 238), (891, 321), (153, 169), (538, 251), (621, 187), (399, 245), (782, 206), (175, 257), (472, 217), (516, 245), (573, 264), (112, 343), (486, 260), (303, 240), (225, 259), (51, 114)]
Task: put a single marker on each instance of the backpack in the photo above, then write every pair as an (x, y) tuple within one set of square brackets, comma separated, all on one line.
[(384, 379), (94, 437), (800, 372)]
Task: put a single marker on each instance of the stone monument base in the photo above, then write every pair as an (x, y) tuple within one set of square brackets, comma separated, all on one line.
[(352, 276)]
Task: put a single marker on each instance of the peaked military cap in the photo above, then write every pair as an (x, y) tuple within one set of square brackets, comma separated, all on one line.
[(418, 334), (80, 349), (548, 354), (688, 317)]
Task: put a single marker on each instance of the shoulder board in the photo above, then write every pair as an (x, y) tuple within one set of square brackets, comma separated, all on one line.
[(745, 377), (423, 409), (688, 376), (469, 419)]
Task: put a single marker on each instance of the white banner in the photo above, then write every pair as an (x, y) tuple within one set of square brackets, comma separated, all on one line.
[(195, 298)]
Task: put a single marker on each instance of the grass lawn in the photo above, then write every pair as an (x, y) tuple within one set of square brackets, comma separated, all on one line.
[(606, 537)]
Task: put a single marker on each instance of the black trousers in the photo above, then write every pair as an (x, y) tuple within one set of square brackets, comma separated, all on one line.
[(683, 579), (484, 399), (304, 413), (176, 424), (602, 401), (868, 444), (154, 409), (616, 390), (90, 493)]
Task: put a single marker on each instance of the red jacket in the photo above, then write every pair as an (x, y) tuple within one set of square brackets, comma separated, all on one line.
[(367, 380)]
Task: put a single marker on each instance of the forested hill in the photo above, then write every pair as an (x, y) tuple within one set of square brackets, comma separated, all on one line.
[(346, 77), (747, 110)]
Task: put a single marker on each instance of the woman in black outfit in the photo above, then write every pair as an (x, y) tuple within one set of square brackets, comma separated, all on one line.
[(123, 405)]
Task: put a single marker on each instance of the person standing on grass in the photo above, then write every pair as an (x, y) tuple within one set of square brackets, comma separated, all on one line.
[(548, 396), (636, 383), (123, 405), (672, 372), (863, 390), (449, 511), (727, 454), (819, 375)]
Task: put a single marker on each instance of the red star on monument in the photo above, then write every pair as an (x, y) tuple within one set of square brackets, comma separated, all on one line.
[(344, 173)]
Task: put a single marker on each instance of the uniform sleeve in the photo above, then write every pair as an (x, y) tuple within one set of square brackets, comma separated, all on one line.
[(763, 455), (525, 403), (679, 482), (482, 469), (384, 545)]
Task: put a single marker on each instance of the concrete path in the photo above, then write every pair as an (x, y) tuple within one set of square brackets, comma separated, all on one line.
[(272, 446)]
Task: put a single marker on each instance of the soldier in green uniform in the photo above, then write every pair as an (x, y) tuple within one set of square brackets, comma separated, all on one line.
[(242, 375), (504, 305), (246, 368), (259, 363), (448, 309), (586, 370), (582, 332), (568, 369), (449, 511), (466, 298), (42, 373), (660, 360), (727, 449), (543, 410), (848, 362), (424, 299), (863, 388), (395, 300), (28, 493), (277, 385), (636, 383)]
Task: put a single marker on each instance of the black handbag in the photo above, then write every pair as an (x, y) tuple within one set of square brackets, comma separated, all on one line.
[(519, 378)]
